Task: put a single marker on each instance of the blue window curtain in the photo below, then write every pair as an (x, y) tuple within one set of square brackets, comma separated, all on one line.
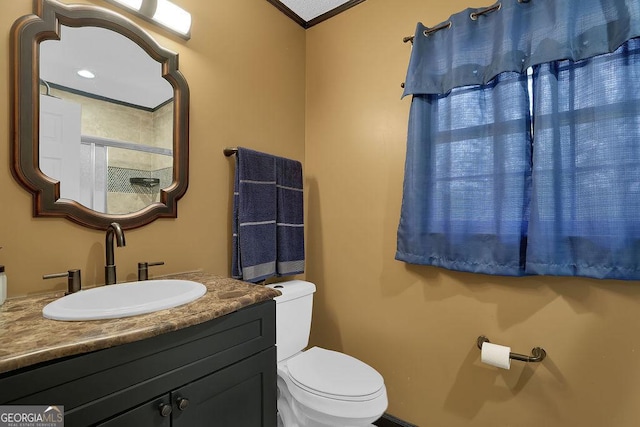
[(475, 198), (467, 178), (586, 192)]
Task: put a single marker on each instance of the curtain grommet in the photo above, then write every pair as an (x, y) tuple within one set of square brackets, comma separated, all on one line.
[(495, 7)]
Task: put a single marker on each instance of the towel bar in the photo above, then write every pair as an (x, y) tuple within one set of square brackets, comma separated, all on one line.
[(230, 151), (538, 353)]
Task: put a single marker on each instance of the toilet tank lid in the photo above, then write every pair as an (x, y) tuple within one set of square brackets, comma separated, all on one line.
[(292, 289)]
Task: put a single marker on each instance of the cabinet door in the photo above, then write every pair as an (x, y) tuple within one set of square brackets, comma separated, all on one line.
[(241, 395), (156, 413)]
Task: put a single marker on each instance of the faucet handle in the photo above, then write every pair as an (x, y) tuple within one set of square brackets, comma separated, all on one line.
[(143, 269), (74, 281)]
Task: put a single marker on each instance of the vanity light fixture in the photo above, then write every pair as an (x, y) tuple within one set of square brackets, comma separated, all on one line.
[(160, 12), (86, 74), (132, 4), (172, 16)]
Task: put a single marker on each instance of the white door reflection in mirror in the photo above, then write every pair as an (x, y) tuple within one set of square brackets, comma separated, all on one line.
[(59, 154)]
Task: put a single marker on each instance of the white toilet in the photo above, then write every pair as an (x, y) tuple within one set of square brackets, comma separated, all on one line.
[(318, 387)]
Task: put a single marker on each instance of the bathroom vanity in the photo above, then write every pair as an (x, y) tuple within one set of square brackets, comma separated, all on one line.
[(210, 362)]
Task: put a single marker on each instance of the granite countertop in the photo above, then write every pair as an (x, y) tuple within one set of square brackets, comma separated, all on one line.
[(28, 338)]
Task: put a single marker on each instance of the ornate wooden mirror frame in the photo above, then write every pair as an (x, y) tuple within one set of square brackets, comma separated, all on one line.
[(26, 35)]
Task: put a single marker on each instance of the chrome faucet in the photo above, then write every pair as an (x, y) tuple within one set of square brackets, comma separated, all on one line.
[(110, 269)]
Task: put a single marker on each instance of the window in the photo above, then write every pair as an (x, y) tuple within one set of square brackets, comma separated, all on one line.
[(534, 169)]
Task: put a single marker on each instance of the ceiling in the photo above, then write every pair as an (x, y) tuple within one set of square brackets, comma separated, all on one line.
[(308, 13), (137, 81), (124, 72)]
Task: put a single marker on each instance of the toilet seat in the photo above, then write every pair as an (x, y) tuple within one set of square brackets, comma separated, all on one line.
[(335, 375)]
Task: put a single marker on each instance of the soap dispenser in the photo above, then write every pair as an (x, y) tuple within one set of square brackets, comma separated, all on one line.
[(3, 285)]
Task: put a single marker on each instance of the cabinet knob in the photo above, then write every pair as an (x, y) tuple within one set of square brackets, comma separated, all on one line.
[(183, 403), (165, 409)]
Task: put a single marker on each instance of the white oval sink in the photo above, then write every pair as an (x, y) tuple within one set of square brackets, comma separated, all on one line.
[(123, 300)]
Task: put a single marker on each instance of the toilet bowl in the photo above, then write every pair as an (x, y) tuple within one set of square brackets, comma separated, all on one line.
[(319, 387)]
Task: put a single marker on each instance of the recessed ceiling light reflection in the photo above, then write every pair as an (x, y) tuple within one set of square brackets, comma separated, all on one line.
[(86, 74)]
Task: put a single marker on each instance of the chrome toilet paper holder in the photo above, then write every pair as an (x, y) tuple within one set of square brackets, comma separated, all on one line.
[(537, 353)]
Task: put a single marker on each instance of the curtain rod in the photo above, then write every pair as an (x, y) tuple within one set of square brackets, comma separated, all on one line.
[(472, 15)]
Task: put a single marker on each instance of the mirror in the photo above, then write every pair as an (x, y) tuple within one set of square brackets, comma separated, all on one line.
[(111, 147)]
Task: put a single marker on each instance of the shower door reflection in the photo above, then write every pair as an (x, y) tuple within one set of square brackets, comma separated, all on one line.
[(119, 177)]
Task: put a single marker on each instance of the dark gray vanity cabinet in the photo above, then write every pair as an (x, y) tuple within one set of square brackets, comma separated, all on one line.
[(233, 396), (219, 373)]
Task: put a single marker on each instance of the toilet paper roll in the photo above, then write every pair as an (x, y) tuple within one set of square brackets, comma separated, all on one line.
[(496, 355)]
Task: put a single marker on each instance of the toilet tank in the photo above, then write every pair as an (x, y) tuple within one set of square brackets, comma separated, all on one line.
[(293, 316)]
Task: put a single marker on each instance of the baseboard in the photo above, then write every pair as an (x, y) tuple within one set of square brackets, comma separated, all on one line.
[(390, 421)]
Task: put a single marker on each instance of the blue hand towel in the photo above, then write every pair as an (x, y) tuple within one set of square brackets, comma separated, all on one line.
[(290, 218), (255, 216), (268, 226)]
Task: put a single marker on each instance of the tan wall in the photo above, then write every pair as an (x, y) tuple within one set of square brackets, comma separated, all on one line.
[(418, 325), (245, 68)]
